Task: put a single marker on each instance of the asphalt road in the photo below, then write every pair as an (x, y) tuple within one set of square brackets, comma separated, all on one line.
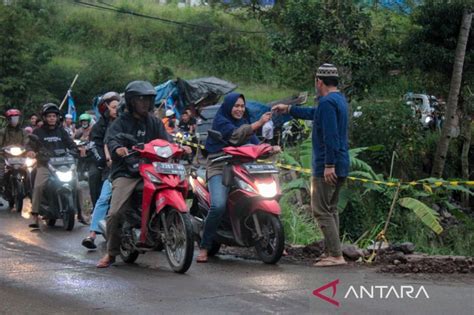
[(49, 272)]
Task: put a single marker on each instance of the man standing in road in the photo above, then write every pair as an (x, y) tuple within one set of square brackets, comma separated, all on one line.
[(330, 156)]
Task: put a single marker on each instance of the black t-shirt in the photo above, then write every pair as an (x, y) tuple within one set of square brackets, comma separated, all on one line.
[(185, 126)]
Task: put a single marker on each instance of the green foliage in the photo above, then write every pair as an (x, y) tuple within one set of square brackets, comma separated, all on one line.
[(25, 52), (427, 215), (299, 226)]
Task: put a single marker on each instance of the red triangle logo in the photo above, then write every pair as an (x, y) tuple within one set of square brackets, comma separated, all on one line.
[(332, 285)]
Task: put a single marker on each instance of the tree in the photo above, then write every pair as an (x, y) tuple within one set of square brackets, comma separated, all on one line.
[(442, 148)]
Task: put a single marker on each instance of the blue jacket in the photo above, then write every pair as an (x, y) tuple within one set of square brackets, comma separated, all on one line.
[(330, 133)]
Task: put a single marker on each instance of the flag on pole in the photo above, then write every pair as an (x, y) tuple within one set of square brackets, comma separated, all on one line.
[(71, 107)]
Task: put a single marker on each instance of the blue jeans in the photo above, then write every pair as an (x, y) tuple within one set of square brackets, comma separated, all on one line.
[(218, 194), (101, 206)]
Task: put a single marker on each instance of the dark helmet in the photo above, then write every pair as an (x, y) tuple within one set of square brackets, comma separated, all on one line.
[(50, 108), (138, 88), (107, 98)]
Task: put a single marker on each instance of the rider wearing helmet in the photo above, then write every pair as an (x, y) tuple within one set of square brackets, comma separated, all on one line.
[(12, 134), (169, 121), (51, 136), (138, 121), (85, 122)]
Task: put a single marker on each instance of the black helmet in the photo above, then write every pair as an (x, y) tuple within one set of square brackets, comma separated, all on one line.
[(50, 108), (138, 88)]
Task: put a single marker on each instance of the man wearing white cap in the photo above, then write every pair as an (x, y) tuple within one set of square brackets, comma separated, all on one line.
[(69, 125), (330, 156)]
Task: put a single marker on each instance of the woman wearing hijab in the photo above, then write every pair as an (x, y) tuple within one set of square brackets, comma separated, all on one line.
[(232, 122)]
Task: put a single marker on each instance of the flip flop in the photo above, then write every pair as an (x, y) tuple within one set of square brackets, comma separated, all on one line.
[(88, 242), (328, 262), (201, 259), (34, 225), (105, 263)]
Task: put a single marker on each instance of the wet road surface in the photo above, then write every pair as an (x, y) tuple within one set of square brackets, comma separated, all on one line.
[(49, 272)]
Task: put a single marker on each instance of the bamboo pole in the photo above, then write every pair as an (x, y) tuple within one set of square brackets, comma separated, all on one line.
[(67, 93)]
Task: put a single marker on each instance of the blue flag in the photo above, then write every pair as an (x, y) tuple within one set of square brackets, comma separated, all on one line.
[(71, 107)]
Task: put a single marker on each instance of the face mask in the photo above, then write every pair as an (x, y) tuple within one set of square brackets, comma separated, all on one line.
[(14, 120), (85, 125)]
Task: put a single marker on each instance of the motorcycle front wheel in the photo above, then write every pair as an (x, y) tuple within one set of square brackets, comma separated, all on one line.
[(179, 246), (19, 196), (68, 213), (270, 247)]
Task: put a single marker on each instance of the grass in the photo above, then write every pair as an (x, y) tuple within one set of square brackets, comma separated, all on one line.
[(300, 228)]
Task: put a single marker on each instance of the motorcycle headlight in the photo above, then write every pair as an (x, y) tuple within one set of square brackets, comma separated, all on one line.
[(163, 152), (15, 151), (30, 162), (243, 185), (267, 190), (153, 178), (64, 176)]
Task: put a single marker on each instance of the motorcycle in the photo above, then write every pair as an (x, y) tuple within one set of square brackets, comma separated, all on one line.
[(252, 217), (18, 175), (159, 215), (60, 200)]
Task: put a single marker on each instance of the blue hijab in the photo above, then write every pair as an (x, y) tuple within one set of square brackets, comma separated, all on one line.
[(226, 124)]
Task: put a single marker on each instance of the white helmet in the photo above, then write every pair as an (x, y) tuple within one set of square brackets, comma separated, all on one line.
[(169, 113)]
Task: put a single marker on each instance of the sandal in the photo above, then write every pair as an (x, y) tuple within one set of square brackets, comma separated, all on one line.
[(34, 225), (88, 242), (202, 258), (106, 262), (328, 262)]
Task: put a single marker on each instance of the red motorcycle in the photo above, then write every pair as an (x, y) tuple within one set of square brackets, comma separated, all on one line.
[(160, 217), (252, 217)]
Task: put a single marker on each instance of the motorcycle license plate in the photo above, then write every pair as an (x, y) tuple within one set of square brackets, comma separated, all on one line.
[(16, 160), (169, 168), (61, 160), (258, 168)]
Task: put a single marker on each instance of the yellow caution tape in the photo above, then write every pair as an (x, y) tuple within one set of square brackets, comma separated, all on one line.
[(300, 169)]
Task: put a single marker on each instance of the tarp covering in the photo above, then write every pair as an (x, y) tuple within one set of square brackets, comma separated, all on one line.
[(179, 94), (195, 91)]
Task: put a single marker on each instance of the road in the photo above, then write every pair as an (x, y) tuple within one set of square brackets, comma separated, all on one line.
[(49, 272)]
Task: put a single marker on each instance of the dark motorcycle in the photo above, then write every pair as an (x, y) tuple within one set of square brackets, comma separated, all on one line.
[(18, 181), (60, 199)]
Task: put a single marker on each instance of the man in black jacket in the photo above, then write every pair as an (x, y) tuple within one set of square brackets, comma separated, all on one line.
[(138, 122), (53, 137)]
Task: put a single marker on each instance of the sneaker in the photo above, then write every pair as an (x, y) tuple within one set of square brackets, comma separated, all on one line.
[(88, 242)]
